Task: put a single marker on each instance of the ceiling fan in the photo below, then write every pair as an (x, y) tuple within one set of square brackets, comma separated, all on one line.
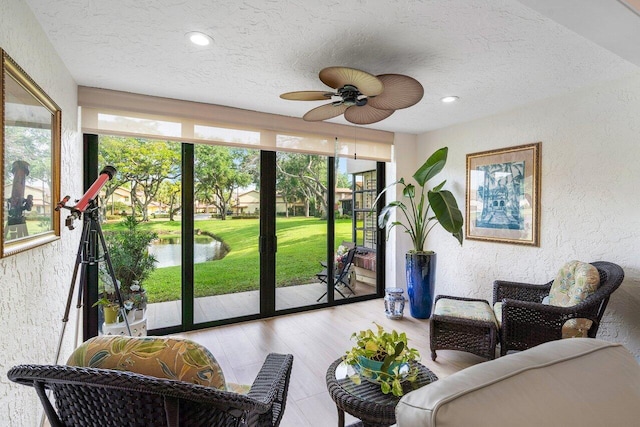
[(362, 97)]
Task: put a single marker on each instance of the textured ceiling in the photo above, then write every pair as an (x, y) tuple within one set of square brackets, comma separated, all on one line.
[(494, 54)]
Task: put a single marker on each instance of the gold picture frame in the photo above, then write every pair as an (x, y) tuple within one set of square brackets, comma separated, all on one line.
[(30, 134), (503, 195)]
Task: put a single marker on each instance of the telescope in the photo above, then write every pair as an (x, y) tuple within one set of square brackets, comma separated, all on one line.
[(88, 249), (81, 205)]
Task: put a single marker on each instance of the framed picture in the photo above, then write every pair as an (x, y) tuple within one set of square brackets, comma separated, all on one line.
[(30, 126), (503, 195)]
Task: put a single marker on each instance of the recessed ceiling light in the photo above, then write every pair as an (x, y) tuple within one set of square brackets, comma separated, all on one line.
[(198, 38), (449, 99)]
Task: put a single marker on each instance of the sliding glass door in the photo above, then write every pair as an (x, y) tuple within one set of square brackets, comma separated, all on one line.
[(226, 260), (224, 233), (301, 208), (142, 224)]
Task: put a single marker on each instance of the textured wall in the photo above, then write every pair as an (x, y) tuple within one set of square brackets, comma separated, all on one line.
[(34, 284), (590, 198)]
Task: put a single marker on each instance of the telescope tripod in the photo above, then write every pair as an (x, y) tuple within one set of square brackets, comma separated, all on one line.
[(89, 254)]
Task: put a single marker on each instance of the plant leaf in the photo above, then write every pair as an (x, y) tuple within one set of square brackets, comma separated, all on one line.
[(386, 388), (385, 365), (439, 186), (409, 191), (434, 164), (385, 213), (393, 184), (397, 388), (399, 348), (372, 346), (446, 210)]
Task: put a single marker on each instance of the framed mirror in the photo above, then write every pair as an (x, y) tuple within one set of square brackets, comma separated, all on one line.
[(30, 162)]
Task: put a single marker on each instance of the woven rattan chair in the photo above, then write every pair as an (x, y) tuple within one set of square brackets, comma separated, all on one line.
[(103, 397), (526, 322)]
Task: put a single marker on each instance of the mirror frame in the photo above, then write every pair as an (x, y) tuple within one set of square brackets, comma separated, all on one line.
[(10, 67)]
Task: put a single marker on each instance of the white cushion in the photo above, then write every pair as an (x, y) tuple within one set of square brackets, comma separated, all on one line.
[(578, 382), (473, 310)]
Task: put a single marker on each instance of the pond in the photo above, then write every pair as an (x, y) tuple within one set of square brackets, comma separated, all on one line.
[(168, 250)]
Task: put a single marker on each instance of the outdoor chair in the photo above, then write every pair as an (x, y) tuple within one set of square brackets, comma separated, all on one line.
[(154, 381), (524, 315), (577, 300), (341, 277)]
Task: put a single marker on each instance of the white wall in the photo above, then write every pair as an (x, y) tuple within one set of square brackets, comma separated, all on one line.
[(34, 284), (404, 166), (590, 199)]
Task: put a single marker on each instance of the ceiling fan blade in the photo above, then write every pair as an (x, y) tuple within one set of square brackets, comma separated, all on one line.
[(324, 112), (337, 77), (366, 114), (307, 95), (399, 92)]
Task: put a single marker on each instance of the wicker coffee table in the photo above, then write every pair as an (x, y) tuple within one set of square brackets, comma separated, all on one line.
[(365, 400)]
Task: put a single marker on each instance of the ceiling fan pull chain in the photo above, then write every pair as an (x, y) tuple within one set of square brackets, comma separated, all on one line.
[(355, 143)]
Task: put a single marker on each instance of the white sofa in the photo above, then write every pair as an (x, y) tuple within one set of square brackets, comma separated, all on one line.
[(570, 382)]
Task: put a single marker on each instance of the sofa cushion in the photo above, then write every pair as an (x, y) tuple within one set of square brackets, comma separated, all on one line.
[(160, 357), (585, 382), (573, 284), (474, 310)]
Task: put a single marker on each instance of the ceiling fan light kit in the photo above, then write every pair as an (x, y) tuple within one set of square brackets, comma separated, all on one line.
[(362, 97)]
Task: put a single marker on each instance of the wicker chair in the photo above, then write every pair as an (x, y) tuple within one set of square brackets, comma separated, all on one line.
[(104, 397), (527, 322)]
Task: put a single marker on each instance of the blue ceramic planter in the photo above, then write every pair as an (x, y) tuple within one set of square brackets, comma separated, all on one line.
[(421, 277)]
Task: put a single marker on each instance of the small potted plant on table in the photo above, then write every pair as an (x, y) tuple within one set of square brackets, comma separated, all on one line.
[(384, 358)]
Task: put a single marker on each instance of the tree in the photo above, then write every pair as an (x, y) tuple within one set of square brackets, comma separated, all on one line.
[(110, 154), (290, 190), (30, 145), (310, 173), (169, 193), (143, 163), (219, 171)]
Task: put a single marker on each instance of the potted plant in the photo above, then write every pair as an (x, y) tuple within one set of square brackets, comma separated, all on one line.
[(418, 215), (132, 263), (110, 309), (383, 357), (138, 298)]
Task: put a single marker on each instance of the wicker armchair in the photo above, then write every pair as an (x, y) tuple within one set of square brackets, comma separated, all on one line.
[(104, 397), (527, 322)]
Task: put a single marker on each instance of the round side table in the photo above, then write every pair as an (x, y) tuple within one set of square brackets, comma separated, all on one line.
[(365, 400)]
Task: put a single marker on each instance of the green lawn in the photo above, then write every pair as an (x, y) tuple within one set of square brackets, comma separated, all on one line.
[(301, 245)]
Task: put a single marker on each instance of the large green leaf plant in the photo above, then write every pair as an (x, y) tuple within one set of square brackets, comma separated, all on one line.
[(418, 213)]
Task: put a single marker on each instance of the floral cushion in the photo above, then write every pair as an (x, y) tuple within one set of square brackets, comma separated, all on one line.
[(574, 283), (474, 310), (161, 357)]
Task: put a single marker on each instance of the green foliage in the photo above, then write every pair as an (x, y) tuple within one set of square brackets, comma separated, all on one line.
[(303, 177), (219, 171), (301, 245), (128, 249), (390, 348), (422, 214), (142, 163), (31, 145)]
